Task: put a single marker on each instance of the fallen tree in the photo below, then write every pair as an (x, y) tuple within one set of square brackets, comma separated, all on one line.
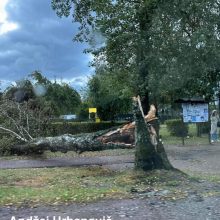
[(142, 134), (67, 142)]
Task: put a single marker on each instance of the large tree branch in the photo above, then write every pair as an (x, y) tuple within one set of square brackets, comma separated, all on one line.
[(17, 118), (14, 134), (16, 123), (28, 134)]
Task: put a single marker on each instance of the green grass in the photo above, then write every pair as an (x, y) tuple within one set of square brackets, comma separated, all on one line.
[(215, 178), (66, 185), (116, 152), (57, 185), (192, 138)]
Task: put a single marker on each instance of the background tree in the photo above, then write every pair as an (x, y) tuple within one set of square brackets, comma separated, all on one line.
[(184, 48), (59, 98), (20, 92), (110, 93), (62, 98)]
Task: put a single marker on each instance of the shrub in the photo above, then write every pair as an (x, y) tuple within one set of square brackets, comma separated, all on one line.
[(204, 127), (177, 127), (5, 145)]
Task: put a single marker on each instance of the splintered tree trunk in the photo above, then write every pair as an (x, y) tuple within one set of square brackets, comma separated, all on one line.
[(148, 156)]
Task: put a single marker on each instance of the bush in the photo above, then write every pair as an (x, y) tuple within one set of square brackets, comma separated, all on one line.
[(177, 127), (5, 145), (59, 128), (204, 127)]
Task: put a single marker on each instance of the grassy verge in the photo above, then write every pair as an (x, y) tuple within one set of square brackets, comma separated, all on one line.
[(65, 185), (214, 178), (192, 139), (56, 185)]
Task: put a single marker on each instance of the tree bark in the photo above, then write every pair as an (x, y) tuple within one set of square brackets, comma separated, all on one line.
[(148, 156), (64, 143)]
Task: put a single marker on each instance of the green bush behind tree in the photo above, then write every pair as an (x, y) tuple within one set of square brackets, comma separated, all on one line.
[(177, 127)]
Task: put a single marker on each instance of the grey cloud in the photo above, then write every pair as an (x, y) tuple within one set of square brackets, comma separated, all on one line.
[(42, 42)]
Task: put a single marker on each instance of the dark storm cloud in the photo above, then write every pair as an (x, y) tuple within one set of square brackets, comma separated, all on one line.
[(42, 42)]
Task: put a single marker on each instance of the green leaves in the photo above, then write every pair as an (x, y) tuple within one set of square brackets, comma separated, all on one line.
[(185, 47), (175, 42), (110, 93)]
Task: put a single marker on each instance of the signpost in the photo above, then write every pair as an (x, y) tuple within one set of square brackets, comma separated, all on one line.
[(195, 112)]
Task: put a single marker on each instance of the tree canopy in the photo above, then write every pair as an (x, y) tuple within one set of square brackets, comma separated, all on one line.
[(60, 98), (110, 93), (170, 48), (123, 26), (185, 46)]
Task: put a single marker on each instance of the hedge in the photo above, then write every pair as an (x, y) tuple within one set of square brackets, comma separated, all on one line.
[(79, 127)]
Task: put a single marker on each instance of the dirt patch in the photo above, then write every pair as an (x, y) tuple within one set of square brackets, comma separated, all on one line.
[(39, 181)]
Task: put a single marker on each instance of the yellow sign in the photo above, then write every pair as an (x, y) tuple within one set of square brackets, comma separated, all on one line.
[(92, 110)]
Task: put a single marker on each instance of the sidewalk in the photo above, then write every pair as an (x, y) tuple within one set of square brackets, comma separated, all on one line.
[(66, 162)]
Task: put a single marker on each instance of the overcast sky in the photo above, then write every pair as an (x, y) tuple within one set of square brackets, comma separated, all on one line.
[(32, 37)]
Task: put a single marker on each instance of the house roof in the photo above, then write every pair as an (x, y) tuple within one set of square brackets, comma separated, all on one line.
[(191, 100)]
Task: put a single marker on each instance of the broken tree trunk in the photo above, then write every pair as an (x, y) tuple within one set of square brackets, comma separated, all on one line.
[(149, 154)]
